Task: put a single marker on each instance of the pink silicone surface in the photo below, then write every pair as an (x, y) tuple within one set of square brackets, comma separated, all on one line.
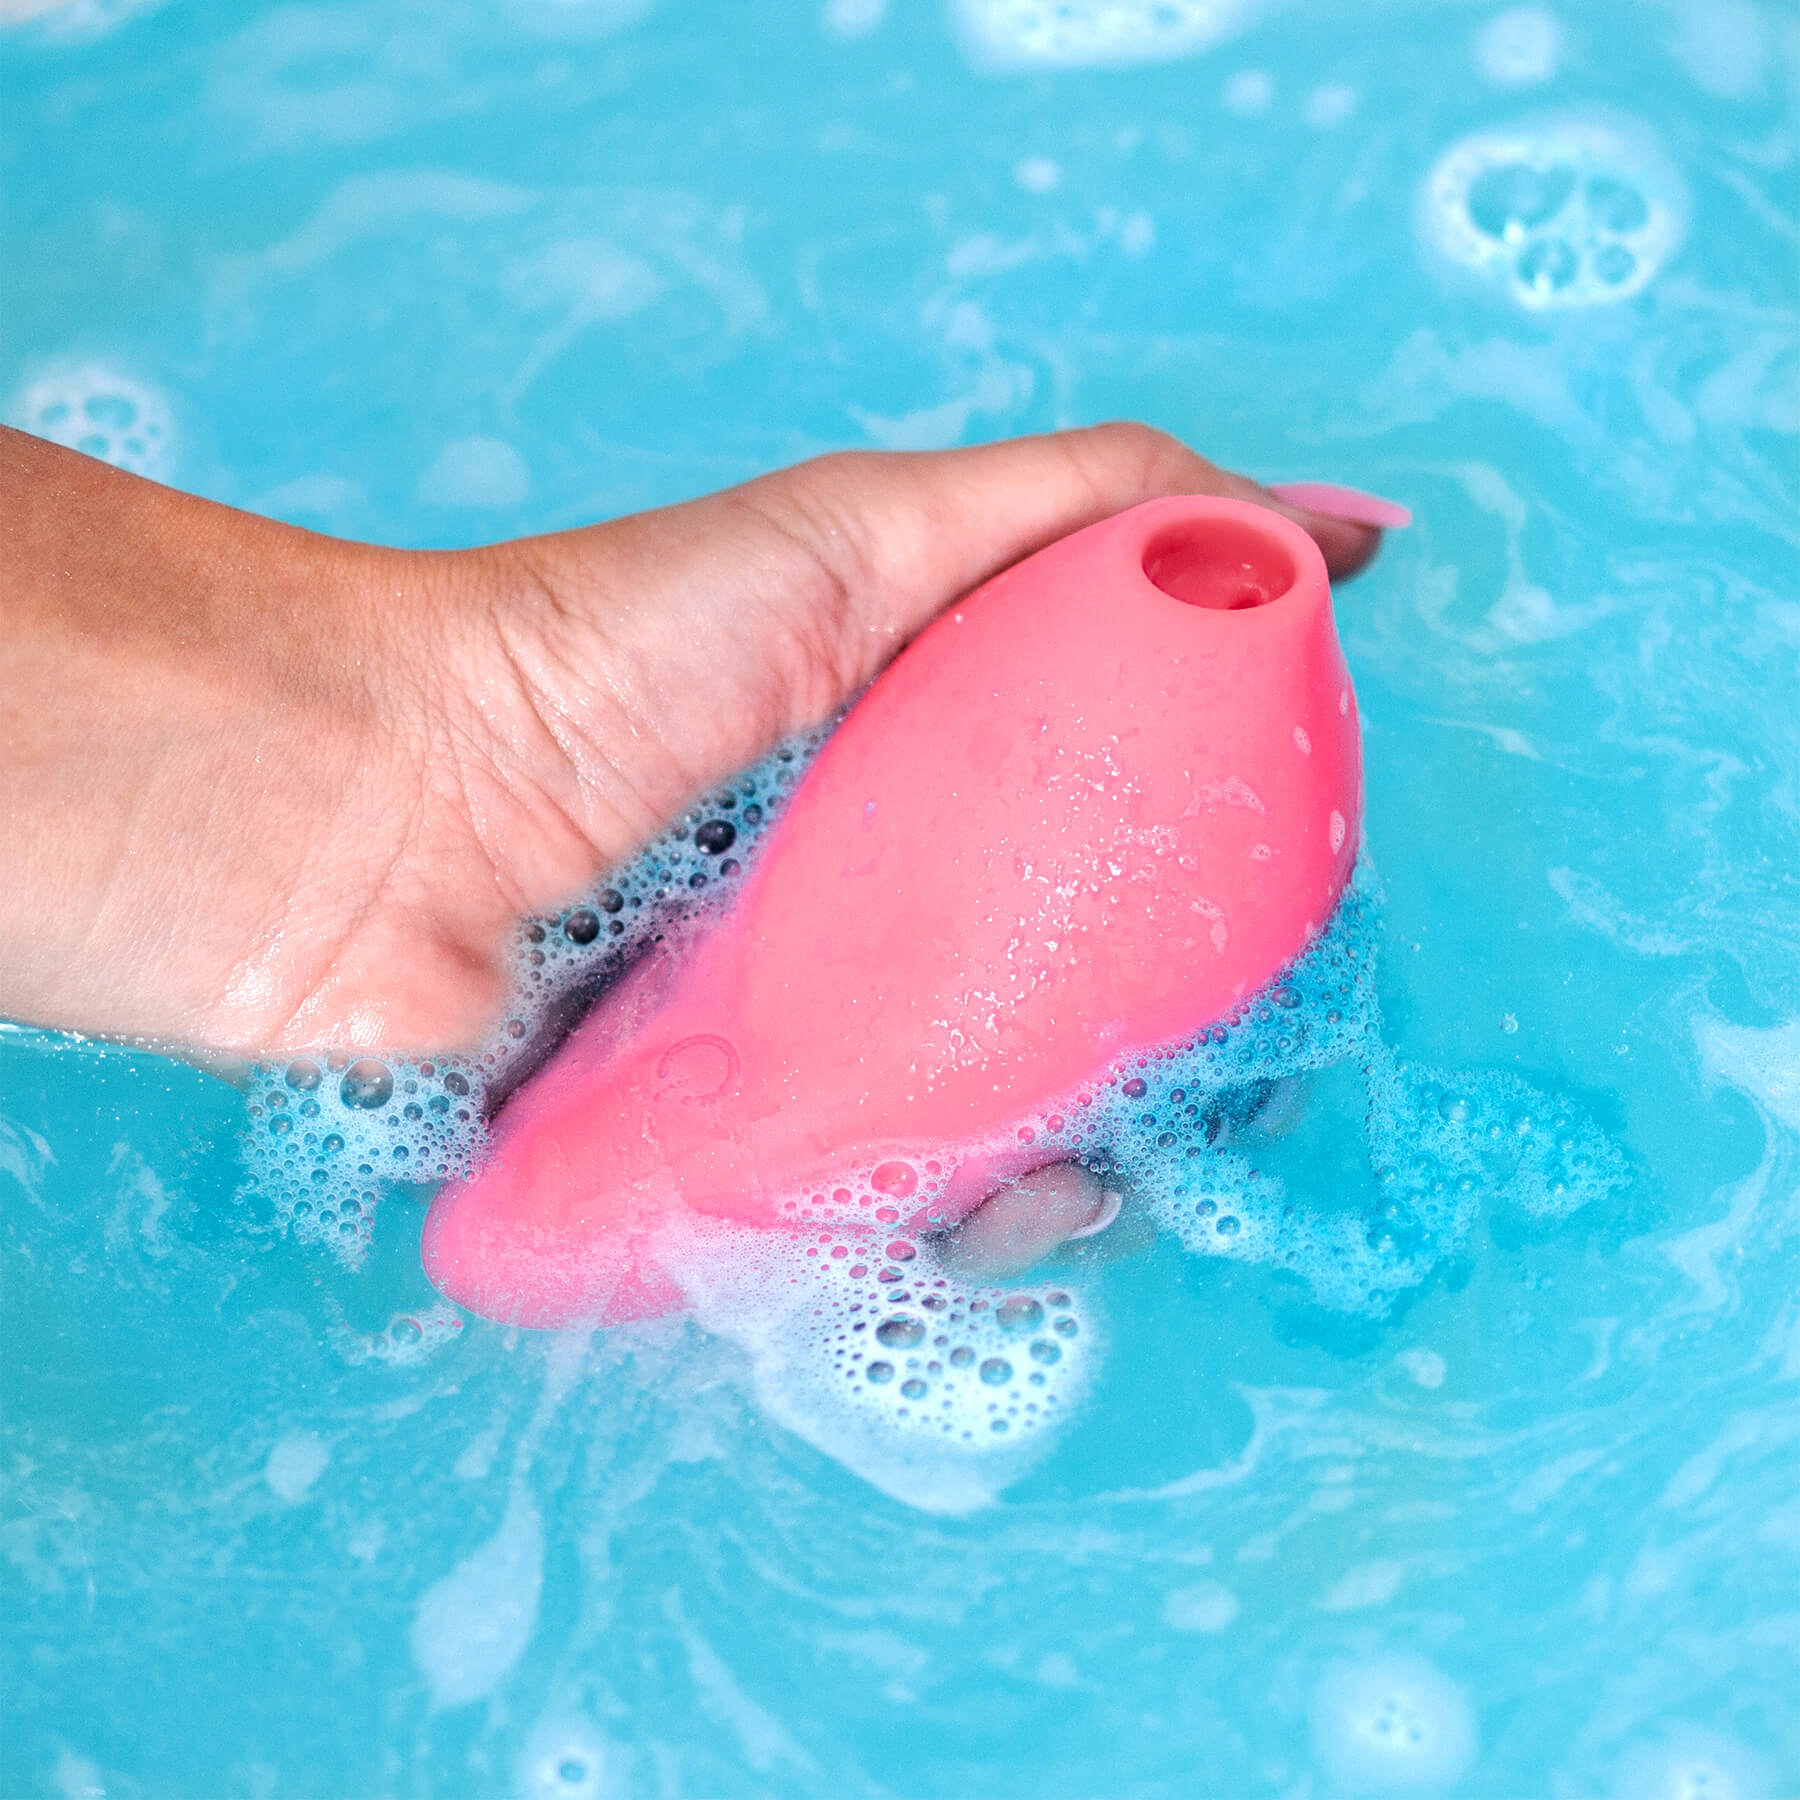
[(1088, 811)]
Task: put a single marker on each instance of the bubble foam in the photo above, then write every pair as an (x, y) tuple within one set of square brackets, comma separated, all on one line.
[(328, 1134), (1395, 1725), (1689, 1762), (938, 1391), (565, 1758), (1287, 1134), (1082, 34), (1556, 213), (102, 413)]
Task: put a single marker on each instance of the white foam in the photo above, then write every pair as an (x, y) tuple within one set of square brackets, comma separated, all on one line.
[(1558, 212), (74, 21), (1036, 174), (1689, 1762), (1249, 93), (566, 1758), (294, 1464), (1137, 234), (1424, 1367), (1367, 1584), (1393, 1725), (937, 1391), (97, 409), (1329, 105), (1206, 1606), (476, 471), (577, 18), (853, 18), (1763, 1062), (472, 1625), (1080, 34), (1519, 48)]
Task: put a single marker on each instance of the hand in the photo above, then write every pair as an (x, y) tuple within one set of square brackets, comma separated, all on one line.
[(267, 790)]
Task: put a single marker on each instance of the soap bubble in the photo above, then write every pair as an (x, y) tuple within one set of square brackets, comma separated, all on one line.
[(357, 1139), (1395, 1725), (101, 412), (1555, 213), (936, 1414), (367, 1084), (856, 1333)]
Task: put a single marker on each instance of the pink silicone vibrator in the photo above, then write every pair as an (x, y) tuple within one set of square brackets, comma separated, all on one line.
[(1088, 812)]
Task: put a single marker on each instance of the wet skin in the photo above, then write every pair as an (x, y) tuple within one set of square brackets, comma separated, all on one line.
[(267, 790)]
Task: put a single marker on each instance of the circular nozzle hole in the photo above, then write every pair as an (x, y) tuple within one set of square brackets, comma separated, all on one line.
[(1225, 564)]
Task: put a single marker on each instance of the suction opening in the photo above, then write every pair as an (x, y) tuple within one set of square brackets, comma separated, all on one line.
[(1225, 564)]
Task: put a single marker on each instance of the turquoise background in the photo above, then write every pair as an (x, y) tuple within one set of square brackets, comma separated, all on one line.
[(438, 274)]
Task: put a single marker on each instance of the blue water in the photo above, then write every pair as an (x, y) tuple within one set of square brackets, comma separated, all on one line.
[(278, 1524)]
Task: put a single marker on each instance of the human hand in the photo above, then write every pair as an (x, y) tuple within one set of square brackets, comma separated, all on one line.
[(267, 790)]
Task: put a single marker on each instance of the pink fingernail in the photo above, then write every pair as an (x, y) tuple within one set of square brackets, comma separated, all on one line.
[(1350, 504)]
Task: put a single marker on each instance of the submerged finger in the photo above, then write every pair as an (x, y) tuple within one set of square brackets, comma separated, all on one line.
[(1022, 1222)]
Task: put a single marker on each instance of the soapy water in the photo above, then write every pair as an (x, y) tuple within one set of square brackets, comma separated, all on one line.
[(1556, 213), (101, 412), (858, 1332), (1076, 34), (1397, 1724)]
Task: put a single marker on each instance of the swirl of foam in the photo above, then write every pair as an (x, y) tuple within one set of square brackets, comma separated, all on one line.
[(1555, 213)]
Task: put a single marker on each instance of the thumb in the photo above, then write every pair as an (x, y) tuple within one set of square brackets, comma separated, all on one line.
[(870, 546), (815, 575)]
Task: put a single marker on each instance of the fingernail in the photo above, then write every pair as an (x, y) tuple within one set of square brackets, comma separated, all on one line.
[(1104, 1215), (1350, 504)]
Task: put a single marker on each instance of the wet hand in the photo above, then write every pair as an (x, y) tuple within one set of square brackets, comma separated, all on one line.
[(267, 790)]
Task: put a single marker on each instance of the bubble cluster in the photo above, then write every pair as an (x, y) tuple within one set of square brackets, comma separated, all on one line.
[(1689, 1762), (1437, 1148), (936, 1389), (1080, 34), (860, 1336), (1392, 1725), (102, 413), (1556, 213), (407, 1338), (329, 1134)]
